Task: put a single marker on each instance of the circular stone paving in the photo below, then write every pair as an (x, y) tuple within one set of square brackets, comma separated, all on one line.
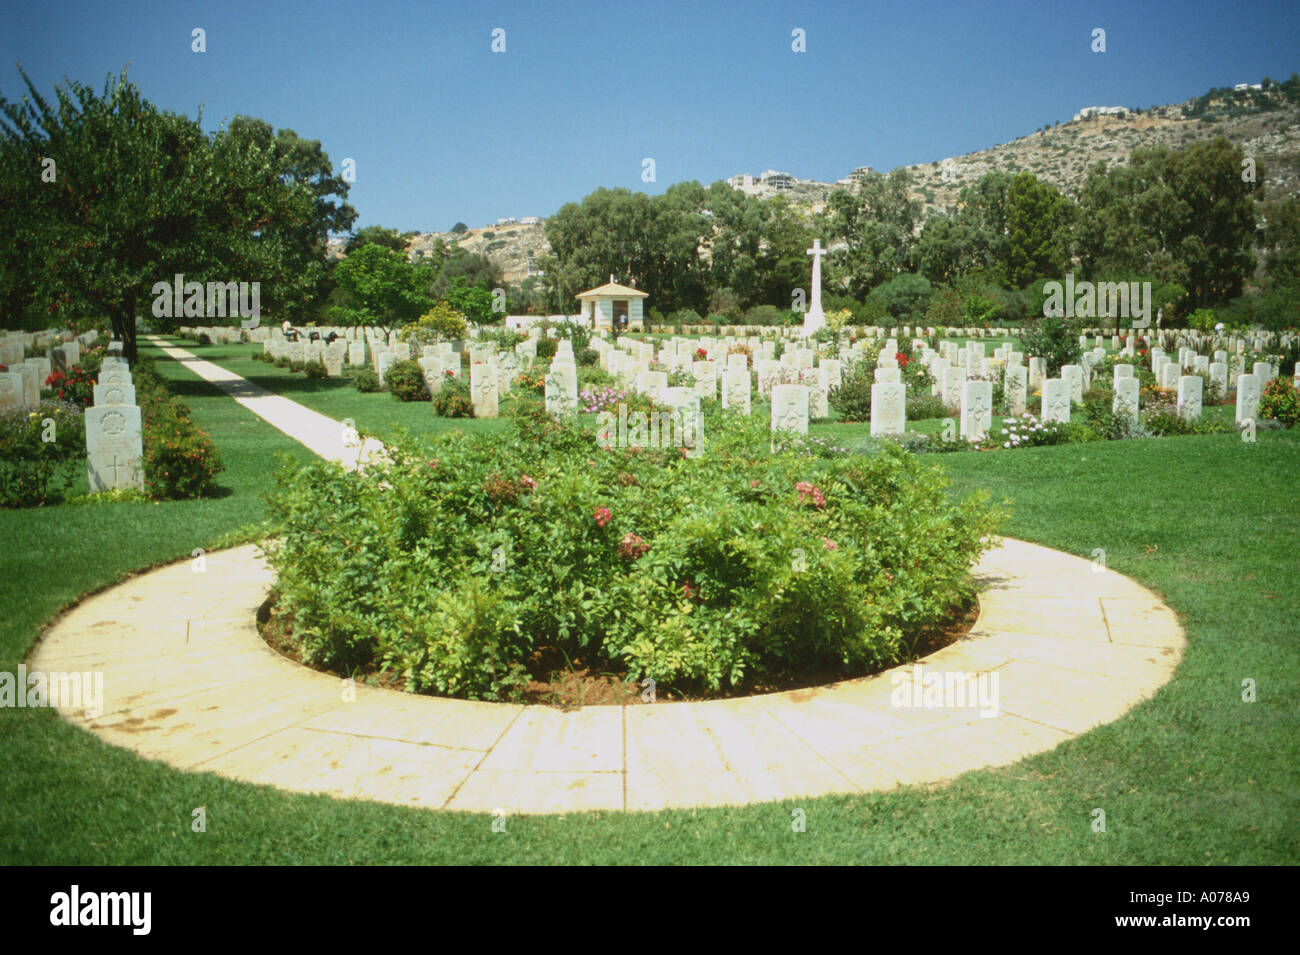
[(1060, 646)]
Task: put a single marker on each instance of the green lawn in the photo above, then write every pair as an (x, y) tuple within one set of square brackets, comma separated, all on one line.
[(1194, 776)]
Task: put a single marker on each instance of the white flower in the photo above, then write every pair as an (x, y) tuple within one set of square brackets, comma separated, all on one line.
[(1006, 444)]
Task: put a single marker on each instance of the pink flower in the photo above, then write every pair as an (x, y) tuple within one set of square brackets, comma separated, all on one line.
[(812, 492), (527, 482), (830, 544), (602, 516)]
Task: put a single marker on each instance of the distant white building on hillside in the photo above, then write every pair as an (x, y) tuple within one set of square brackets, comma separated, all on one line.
[(1247, 86), (769, 183), (508, 220), (1100, 111), (531, 220)]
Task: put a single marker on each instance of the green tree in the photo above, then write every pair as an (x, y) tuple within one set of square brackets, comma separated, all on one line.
[(1183, 216), (381, 287), (876, 220), (459, 228), (135, 196), (379, 235), (1282, 240), (473, 301), (1037, 230)]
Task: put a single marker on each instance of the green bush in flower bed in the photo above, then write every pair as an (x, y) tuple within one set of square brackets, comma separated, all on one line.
[(454, 563), (180, 460), (41, 449), (405, 381)]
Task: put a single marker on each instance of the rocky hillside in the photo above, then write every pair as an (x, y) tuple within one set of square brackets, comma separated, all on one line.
[(1060, 155)]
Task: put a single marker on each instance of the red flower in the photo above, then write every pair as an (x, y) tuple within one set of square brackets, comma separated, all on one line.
[(602, 516), (830, 544), (689, 591), (901, 359)]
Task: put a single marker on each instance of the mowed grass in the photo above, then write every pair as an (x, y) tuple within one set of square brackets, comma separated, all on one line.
[(1193, 776), (376, 413)]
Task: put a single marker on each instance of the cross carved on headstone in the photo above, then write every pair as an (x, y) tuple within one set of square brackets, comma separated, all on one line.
[(121, 471)]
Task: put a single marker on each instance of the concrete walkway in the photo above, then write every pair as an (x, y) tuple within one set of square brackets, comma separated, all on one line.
[(189, 681), (330, 439)]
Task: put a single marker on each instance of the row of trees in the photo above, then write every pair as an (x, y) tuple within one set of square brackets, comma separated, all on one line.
[(103, 194), (1187, 218)]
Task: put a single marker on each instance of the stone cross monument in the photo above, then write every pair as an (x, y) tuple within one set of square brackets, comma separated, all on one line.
[(815, 318)]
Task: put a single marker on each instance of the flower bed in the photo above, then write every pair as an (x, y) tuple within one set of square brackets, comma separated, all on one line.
[(463, 558)]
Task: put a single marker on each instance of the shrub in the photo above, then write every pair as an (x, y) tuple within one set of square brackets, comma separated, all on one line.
[(547, 347), (1055, 340), (764, 315), (1281, 402), (405, 381), (315, 369), (586, 357), (76, 385), (180, 460), (1161, 419), (35, 471), (677, 569), (1027, 431), (453, 399), (852, 399), (925, 405), (364, 379)]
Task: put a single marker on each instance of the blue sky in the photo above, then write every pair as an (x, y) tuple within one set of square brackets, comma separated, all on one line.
[(442, 129)]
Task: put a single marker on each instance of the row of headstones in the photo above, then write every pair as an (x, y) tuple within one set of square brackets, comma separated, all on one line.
[(114, 429), (21, 384)]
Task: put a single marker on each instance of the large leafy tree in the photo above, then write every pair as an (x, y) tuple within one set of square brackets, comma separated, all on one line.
[(379, 287), (651, 243), (1182, 216), (134, 196), (876, 220), (303, 168), (1038, 222)]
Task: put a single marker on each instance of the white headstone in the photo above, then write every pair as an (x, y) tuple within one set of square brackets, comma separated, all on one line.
[(1189, 396), (11, 391), (790, 408), (114, 447), (888, 407), (976, 409), (483, 389), (1249, 389), (1056, 401), (1016, 388), (114, 395), (1125, 402), (736, 394), (1072, 375)]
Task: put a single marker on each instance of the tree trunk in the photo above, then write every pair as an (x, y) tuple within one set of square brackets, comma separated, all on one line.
[(123, 322)]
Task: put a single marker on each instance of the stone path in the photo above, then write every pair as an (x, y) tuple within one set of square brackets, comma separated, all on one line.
[(189, 681), (319, 433)]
